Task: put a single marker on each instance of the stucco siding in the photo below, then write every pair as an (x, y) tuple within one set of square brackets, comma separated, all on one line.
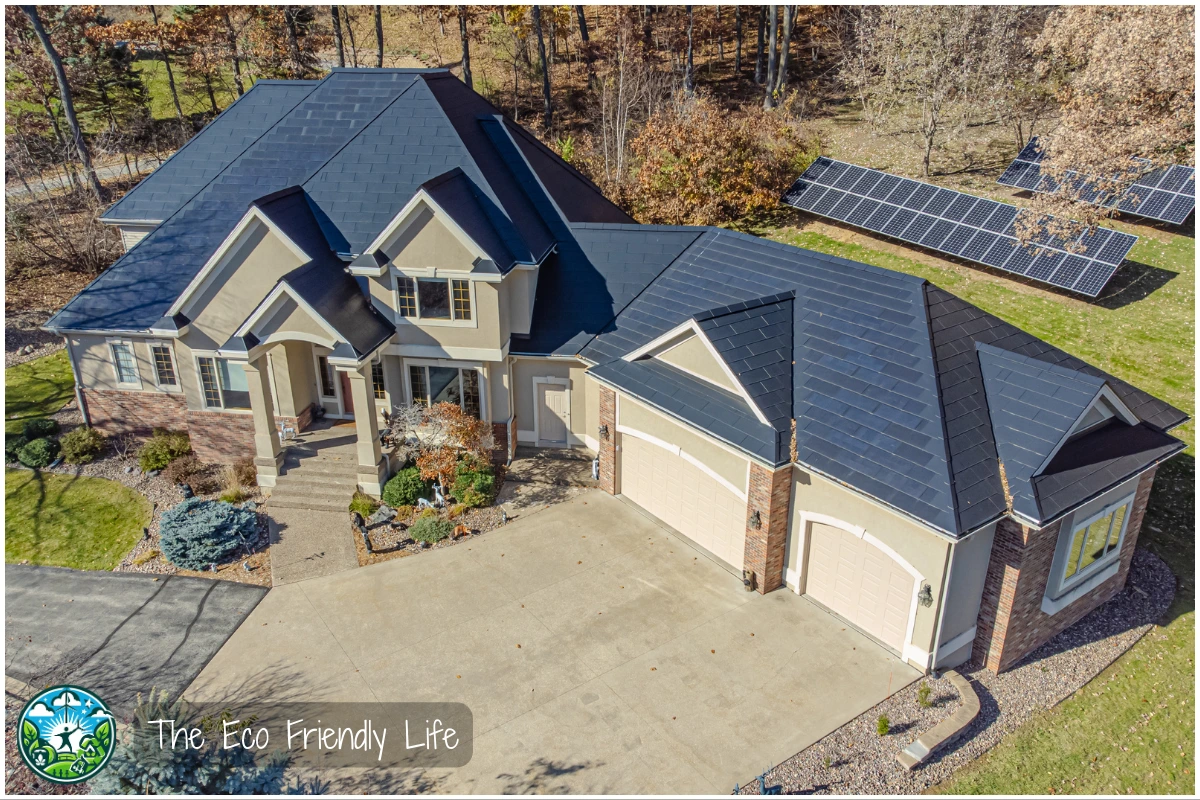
[(924, 550), (525, 370), (482, 331), (727, 464), (692, 355), (968, 571), (425, 242), (291, 321)]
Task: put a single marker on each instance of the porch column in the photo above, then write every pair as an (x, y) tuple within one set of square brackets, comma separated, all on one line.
[(372, 467), (268, 457)]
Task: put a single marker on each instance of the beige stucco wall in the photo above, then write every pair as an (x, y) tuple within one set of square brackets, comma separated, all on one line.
[(692, 355), (94, 361), (918, 545), (968, 571), (482, 331), (290, 319), (425, 242), (237, 287), (729, 465), (526, 369), (499, 379)]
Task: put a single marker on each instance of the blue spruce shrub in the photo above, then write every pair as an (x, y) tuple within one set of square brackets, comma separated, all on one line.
[(198, 532)]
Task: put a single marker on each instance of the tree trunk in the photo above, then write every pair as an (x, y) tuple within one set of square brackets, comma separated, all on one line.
[(350, 35), (466, 47), (289, 18), (587, 47), (65, 96), (441, 21), (166, 59), (336, 18), (720, 38), (237, 61), (737, 53), (772, 59), (789, 19), (548, 108), (212, 97), (689, 75), (758, 56), (379, 37)]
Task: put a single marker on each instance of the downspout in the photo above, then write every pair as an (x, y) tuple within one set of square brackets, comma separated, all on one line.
[(512, 412), (75, 378), (937, 633)]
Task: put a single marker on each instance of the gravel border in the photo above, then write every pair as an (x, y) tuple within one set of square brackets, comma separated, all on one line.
[(23, 328), (854, 759)]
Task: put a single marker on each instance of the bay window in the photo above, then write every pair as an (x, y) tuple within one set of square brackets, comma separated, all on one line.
[(435, 384)]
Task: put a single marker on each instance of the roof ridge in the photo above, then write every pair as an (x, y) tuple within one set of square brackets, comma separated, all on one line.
[(744, 305)]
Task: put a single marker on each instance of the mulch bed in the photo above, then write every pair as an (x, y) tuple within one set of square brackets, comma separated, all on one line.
[(855, 759)]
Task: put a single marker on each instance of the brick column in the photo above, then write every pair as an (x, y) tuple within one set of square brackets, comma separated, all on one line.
[(608, 443), (500, 449), (770, 495), (1011, 622)]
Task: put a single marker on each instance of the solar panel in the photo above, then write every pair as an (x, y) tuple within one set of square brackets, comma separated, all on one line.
[(1168, 195), (952, 222)]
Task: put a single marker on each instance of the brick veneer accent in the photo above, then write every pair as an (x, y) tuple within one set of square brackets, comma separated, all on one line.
[(608, 445), (500, 448), (115, 412), (301, 422), (770, 495), (1011, 621), (221, 436)]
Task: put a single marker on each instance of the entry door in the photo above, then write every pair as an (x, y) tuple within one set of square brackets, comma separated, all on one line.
[(860, 583), (347, 395), (554, 414)]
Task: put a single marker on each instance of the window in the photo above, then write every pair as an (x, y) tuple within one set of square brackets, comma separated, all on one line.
[(435, 299), (164, 367), (1095, 542), (223, 383), (406, 297), (377, 381), (124, 363), (462, 299), (433, 384), (326, 371)]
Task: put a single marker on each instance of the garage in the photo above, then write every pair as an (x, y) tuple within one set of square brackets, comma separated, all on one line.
[(685, 497), (860, 582)]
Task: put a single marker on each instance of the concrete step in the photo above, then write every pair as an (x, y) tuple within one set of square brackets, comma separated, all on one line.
[(316, 466), (308, 503), (315, 488)]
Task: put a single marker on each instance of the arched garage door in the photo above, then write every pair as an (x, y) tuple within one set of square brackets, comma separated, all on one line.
[(686, 498), (859, 582)]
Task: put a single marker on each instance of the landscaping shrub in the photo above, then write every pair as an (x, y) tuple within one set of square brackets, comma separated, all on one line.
[(198, 532), (82, 445), (363, 504), (474, 482), (39, 428), (406, 487), (13, 445), (237, 494), (192, 471), (430, 529), (245, 471), (38, 453), (923, 692), (162, 448), (883, 725)]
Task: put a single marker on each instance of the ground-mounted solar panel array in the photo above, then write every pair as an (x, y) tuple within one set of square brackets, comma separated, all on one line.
[(1168, 195), (959, 224)]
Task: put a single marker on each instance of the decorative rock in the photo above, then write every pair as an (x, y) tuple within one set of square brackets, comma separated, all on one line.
[(128, 470), (185, 490), (250, 505), (384, 513), (153, 473)]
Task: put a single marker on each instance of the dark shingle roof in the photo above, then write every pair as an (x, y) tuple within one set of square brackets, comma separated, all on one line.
[(474, 212), (754, 338), (189, 170), (1033, 407)]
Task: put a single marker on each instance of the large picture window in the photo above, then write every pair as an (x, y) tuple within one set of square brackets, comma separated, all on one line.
[(1095, 543), (223, 383), (434, 384), (433, 299)]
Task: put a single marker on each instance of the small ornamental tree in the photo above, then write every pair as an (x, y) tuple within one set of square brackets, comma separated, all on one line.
[(140, 765), (446, 433), (198, 532)]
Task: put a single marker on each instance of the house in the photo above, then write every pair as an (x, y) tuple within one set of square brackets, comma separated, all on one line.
[(943, 481)]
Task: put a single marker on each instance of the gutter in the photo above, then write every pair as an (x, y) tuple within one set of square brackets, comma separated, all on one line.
[(87, 420)]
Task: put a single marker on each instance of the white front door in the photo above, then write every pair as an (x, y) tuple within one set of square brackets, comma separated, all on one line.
[(554, 414), (859, 582)]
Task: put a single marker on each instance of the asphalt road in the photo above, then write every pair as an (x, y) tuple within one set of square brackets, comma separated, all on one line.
[(115, 633)]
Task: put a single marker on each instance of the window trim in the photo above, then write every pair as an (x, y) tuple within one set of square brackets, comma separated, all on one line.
[(136, 383), (170, 348), (1063, 585), (435, 275), (197, 355), (461, 366)]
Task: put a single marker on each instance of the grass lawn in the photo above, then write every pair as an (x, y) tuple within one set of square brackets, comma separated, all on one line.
[(67, 521), (36, 389), (1132, 729), (193, 99)]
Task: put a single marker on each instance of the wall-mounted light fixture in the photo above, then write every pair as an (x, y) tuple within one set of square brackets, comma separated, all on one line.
[(925, 596), (755, 520), (603, 431)]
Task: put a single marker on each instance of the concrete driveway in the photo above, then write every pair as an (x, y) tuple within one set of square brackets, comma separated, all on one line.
[(116, 633), (599, 653)]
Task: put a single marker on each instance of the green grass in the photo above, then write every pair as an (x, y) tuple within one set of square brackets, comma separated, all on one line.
[(70, 521), (1132, 729), (36, 388), (193, 99)]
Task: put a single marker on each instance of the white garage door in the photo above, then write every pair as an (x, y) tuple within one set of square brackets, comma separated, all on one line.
[(859, 582), (684, 497)]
